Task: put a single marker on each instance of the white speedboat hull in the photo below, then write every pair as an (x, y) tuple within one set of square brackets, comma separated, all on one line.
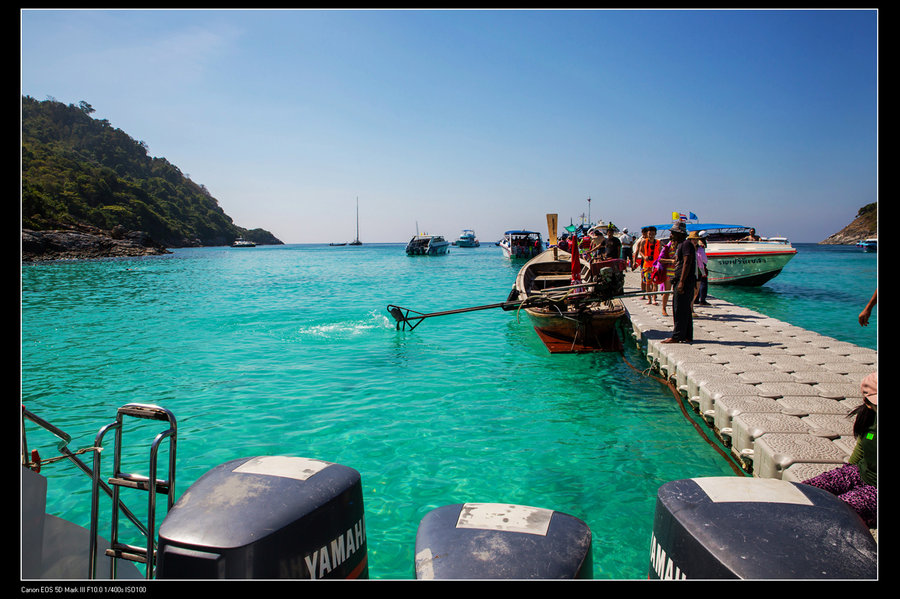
[(747, 263)]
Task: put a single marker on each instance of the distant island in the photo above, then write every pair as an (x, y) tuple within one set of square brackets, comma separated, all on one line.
[(89, 191), (865, 225)]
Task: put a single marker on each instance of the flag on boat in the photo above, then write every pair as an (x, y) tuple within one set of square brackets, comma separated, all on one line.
[(692, 216)]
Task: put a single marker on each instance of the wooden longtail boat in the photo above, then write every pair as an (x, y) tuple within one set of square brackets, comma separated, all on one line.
[(571, 314)]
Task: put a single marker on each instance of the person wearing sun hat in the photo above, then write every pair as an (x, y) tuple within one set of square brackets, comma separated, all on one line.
[(683, 283), (856, 483)]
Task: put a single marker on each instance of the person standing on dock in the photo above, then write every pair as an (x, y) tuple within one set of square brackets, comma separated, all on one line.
[(636, 251), (702, 273), (626, 239), (664, 270), (683, 284), (613, 247), (597, 244), (649, 252)]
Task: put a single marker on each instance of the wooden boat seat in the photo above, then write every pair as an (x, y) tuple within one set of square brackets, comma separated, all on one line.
[(541, 282)]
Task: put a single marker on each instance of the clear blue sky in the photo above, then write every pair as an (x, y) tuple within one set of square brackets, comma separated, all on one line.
[(485, 119)]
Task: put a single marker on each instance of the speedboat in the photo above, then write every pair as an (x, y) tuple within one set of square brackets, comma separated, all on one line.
[(427, 245), (521, 244), (240, 242), (734, 260), (571, 303), (868, 245), (467, 239)]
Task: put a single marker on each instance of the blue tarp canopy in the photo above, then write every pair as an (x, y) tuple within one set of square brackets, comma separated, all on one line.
[(521, 233)]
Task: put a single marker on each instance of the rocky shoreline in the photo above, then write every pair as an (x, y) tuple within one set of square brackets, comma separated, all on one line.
[(864, 226), (68, 244)]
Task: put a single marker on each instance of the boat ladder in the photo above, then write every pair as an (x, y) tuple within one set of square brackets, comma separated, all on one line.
[(149, 483)]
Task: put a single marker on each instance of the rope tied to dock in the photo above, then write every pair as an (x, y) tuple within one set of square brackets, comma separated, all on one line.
[(648, 373)]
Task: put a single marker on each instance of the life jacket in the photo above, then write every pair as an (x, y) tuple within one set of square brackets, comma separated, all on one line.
[(651, 255)]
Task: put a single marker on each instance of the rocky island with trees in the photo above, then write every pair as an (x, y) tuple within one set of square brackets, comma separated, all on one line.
[(91, 191), (864, 226)]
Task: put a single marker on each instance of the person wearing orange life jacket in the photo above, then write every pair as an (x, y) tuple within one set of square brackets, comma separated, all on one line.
[(649, 251)]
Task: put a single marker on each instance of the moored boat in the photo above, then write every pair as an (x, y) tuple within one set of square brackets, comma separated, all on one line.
[(240, 242), (521, 244), (467, 239), (356, 241), (868, 245), (569, 317), (427, 245), (736, 256)]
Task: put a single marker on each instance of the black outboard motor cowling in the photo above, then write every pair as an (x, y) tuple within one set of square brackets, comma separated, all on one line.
[(479, 541), (267, 517), (756, 528)]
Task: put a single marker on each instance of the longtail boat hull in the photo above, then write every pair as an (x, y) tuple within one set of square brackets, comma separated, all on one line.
[(565, 337), (575, 323)]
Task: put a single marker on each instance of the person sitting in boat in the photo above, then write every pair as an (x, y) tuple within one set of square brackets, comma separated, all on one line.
[(752, 236), (563, 242)]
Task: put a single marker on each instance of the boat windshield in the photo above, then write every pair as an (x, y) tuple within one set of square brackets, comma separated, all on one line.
[(531, 236), (715, 232)]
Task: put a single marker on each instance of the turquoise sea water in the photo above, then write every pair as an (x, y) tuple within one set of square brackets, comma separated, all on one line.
[(289, 350)]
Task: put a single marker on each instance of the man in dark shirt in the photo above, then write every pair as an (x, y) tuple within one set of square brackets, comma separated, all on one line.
[(613, 246), (683, 283)]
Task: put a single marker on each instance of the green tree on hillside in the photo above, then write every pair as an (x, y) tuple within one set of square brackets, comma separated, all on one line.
[(77, 170)]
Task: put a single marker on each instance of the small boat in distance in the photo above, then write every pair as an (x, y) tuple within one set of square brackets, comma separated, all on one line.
[(570, 318), (240, 242), (736, 256), (427, 245), (355, 241), (868, 245), (521, 244), (467, 239)]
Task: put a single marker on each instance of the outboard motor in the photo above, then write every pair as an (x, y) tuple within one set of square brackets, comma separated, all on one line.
[(267, 517), (501, 541), (757, 528)]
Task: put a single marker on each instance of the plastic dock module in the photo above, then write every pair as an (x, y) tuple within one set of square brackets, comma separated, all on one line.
[(791, 385)]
